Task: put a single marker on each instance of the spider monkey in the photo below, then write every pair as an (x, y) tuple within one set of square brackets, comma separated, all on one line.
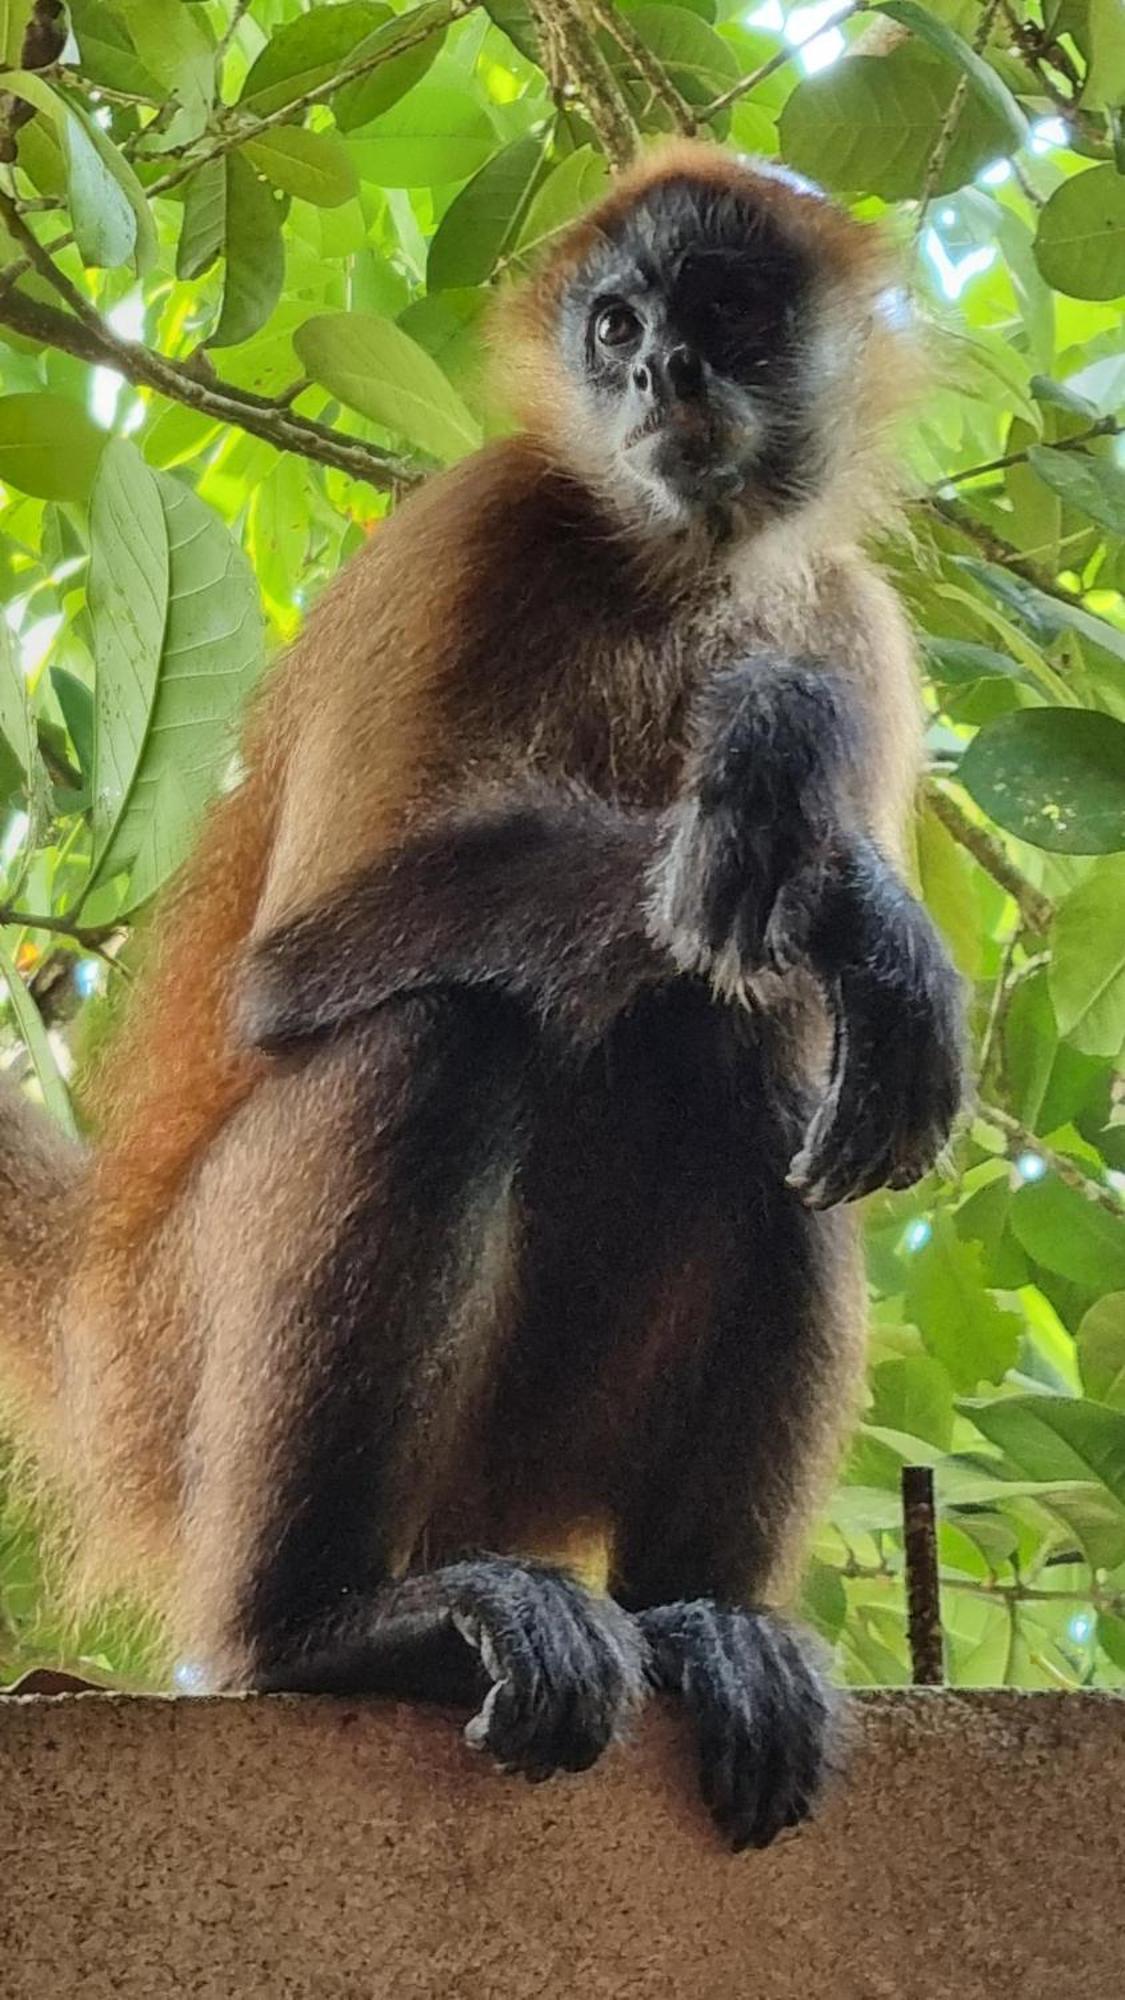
[(474, 1172)]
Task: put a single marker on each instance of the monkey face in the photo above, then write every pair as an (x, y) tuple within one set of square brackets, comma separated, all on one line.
[(699, 332)]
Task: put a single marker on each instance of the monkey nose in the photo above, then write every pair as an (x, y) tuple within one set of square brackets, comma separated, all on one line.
[(685, 372)]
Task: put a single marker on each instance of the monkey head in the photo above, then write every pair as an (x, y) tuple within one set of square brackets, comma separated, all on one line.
[(711, 342)]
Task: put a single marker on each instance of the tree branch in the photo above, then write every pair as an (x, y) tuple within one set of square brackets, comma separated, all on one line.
[(92, 340), (747, 84), (951, 122), (287, 114), (1024, 1140), (1036, 910), (652, 72), (92, 937), (571, 47), (1105, 427), (997, 550)]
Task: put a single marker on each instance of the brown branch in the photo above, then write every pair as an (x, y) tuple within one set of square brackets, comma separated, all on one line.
[(259, 417), (923, 1585), (747, 84), (571, 47), (1036, 910), (652, 72), (92, 937), (1024, 1140), (1105, 427)]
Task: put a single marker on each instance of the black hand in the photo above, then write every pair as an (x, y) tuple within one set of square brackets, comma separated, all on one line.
[(567, 1668), (897, 1074), (764, 1715), (766, 797)]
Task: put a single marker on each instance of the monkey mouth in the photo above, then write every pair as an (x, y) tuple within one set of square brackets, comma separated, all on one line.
[(678, 425)]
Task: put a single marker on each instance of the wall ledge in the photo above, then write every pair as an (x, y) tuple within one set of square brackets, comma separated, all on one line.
[(248, 1848)]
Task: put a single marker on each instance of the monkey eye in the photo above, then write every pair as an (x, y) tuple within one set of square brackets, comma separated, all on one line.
[(617, 326)]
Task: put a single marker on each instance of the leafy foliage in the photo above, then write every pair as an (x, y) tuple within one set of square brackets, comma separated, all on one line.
[(246, 249)]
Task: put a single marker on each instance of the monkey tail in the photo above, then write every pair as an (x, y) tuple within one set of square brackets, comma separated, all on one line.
[(41, 1170)]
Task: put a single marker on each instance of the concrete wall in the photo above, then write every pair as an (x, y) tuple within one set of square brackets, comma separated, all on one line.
[(270, 1849)]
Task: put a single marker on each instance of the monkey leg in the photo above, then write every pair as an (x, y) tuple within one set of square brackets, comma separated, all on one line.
[(354, 1285), (741, 1444)]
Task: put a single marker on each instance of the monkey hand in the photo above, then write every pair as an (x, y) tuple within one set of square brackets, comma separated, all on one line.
[(765, 797), (567, 1668), (897, 1075)]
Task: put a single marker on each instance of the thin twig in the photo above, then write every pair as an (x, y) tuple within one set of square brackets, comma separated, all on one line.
[(1036, 910), (1004, 1593), (291, 113), (652, 72), (1024, 1140), (747, 84), (950, 124), (1105, 427), (92, 937), (996, 549), (238, 14)]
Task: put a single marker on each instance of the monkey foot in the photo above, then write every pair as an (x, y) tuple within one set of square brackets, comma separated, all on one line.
[(567, 1668), (763, 1713)]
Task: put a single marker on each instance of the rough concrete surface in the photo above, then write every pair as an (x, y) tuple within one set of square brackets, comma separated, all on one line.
[(281, 1849)]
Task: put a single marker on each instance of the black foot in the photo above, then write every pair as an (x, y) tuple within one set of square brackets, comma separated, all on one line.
[(567, 1668), (763, 1713)]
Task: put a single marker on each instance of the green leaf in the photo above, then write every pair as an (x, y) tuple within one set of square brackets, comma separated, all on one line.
[(436, 133), (106, 54), (107, 202), (514, 18), (105, 227), (17, 729), (48, 446), (77, 705), (317, 166), (1101, 1350), (174, 44), (1059, 1437), (482, 221), (1094, 485), (569, 190), (1067, 1233), (210, 657), (1087, 969), (913, 1395), (698, 62), (127, 595), (423, 28), (204, 220), (1105, 74), (992, 92), (959, 1320), (255, 255), (305, 53), (870, 125), (29, 1022), (1054, 776), (1080, 242), (371, 365)]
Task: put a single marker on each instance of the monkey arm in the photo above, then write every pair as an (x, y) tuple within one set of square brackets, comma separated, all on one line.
[(771, 867), (542, 898)]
